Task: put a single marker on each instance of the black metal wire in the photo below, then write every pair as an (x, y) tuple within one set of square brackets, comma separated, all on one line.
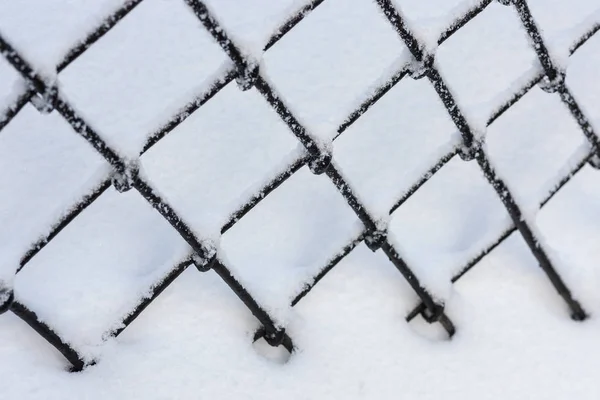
[(328, 267), (62, 223), (575, 112), (555, 78), (106, 25), (472, 149), (77, 361), (584, 38), (153, 293), (43, 93), (538, 43), (272, 334), (508, 231), (180, 116), (462, 21), (292, 22), (153, 138), (321, 159), (205, 254)]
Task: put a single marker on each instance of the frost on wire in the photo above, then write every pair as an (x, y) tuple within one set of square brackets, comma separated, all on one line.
[(42, 90)]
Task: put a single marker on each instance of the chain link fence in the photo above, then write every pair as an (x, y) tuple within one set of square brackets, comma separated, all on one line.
[(45, 95)]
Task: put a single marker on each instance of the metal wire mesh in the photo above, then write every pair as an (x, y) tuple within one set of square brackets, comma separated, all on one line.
[(45, 95)]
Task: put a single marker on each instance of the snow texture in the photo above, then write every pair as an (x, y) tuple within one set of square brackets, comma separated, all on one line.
[(514, 337)]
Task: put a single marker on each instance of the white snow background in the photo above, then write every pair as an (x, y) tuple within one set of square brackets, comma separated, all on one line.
[(514, 337)]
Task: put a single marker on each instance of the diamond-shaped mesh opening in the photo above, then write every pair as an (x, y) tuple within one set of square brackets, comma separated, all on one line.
[(428, 19), (572, 14), (306, 210), (44, 30), (474, 64), (397, 140), (30, 169), (253, 21), (353, 280), (197, 309), (162, 63), (98, 268), (514, 271), (447, 222), (575, 210), (582, 78), (529, 150), (332, 58), (220, 156)]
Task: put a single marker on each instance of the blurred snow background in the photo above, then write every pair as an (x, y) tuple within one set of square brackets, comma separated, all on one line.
[(514, 338)]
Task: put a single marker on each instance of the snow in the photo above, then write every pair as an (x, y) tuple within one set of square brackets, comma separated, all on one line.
[(45, 30), (484, 58), (323, 57), (514, 337), (163, 36), (586, 91), (368, 152), (253, 21), (35, 150), (571, 14), (12, 87), (271, 263), (528, 149), (463, 215), (210, 140), (568, 211), (429, 20), (375, 357), (106, 273)]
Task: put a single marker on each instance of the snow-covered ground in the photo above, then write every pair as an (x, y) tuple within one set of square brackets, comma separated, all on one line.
[(514, 336)]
